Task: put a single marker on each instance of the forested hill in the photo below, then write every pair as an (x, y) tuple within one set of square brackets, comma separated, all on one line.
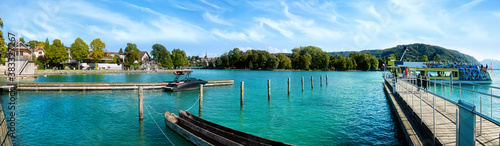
[(416, 51)]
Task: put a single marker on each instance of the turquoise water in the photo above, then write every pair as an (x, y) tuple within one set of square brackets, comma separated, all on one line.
[(350, 110)]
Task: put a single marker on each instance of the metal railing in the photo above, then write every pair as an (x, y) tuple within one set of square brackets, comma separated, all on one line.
[(407, 87)]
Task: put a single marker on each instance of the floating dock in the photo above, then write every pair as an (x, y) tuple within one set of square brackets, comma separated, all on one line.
[(40, 86)]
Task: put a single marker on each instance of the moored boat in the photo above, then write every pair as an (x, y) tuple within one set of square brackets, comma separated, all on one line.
[(185, 84), (199, 131), (457, 73)]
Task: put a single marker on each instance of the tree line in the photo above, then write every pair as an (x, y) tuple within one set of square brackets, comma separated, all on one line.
[(302, 58)]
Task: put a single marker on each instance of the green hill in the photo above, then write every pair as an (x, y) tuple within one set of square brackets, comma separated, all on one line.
[(417, 50)]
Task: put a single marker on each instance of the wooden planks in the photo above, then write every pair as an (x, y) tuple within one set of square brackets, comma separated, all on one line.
[(445, 116), (105, 85)]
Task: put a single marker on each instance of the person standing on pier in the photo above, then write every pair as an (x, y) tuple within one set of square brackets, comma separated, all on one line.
[(424, 82), (419, 81)]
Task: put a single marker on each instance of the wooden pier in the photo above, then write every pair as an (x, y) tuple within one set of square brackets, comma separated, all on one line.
[(40, 86), (425, 116)]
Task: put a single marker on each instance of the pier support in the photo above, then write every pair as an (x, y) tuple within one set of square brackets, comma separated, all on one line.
[(242, 91), (302, 84), (141, 103), (326, 80), (321, 80), (288, 86), (201, 99), (312, 87), (268, 90)]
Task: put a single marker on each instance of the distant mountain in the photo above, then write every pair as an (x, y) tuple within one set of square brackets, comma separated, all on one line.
[(416, 51), (496, 63)]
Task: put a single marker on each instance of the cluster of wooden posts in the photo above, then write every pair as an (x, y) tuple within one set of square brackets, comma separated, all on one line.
[(242, 88)]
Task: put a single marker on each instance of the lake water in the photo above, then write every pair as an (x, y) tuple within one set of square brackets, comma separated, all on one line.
[(351, 110)]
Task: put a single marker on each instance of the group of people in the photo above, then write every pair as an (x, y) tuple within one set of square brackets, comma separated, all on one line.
[(422, 81)]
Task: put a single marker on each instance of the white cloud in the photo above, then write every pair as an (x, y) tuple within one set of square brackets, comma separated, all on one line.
[(210, 4), (67, 20), (247, 35), (276, 50), (297, 25), (230, 35), (215, 19)]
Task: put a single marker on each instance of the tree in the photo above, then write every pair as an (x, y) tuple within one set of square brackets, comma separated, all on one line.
[(79, 50), (179, 58), (97, 50), (117, 59), (373, 63), (393, 57), (121, 50), (285, 62), (33, 44), (437, 58), (22, 40), (424, 58), (272, 62), (161, 55), (41, 61), (57, 53), (132, 54), (3, 45)]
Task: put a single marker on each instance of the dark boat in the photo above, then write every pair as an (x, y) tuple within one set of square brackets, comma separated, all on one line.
[(184, 84), (203, 132)]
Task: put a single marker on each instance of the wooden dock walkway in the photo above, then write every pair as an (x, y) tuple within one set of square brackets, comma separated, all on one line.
[(39, 86), (421, 104)]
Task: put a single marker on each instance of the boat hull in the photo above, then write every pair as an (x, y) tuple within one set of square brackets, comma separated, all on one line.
[(201, 131), (171, 120), (465, 82), (191, 85)]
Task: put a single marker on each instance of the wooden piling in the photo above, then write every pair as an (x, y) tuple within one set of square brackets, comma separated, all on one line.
[(242, 91), (326, 79), (268, 90), (288, 86), (312, 82), (302, 84), (201, 98), (141, 102), (321, 80)]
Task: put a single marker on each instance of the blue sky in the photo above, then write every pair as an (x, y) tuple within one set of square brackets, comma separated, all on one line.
[(215, 27)]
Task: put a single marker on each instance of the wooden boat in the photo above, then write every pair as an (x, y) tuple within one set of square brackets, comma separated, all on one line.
[(203, 132)]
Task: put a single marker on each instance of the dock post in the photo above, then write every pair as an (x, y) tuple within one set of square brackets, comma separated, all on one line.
[(312, 82), (460, 85), (481, 111), (326, 80), (201, 99), (302, 84), (288, 86), (141, 102), (473, 98), (241, 95), (321, 80), (268, 90)]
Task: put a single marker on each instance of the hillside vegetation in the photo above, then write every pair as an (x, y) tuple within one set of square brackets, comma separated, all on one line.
[(416, 51)]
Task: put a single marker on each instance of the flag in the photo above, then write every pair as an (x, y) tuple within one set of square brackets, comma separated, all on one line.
[(491, 66), (407, 49)]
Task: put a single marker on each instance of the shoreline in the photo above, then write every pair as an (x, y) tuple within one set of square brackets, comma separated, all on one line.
[(57, 72)]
